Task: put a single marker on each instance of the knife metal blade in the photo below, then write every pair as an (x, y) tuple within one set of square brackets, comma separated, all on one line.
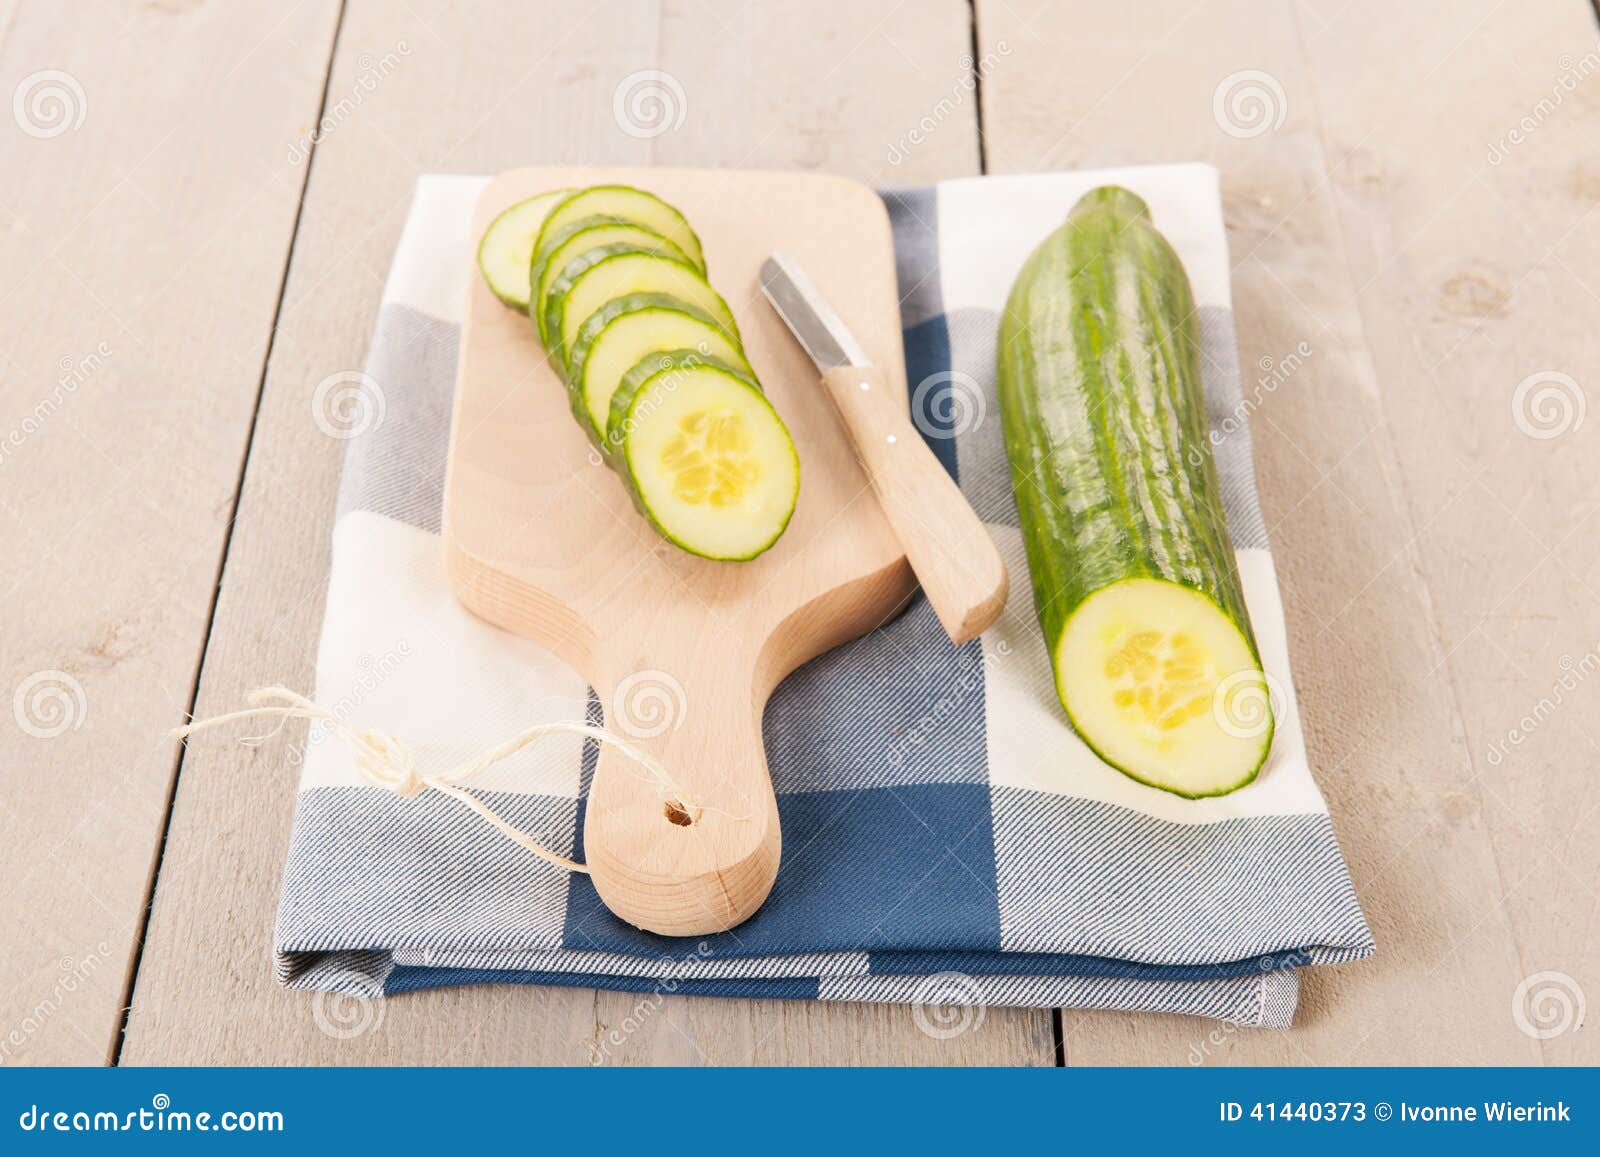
[(808, 315)]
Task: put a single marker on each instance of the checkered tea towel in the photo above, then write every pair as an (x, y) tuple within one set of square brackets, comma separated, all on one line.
[(946, 837)]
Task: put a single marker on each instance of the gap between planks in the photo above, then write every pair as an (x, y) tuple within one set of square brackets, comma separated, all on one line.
[(182, 755)]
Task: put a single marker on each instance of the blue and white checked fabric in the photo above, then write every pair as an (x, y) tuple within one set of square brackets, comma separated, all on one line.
[(947, 839)]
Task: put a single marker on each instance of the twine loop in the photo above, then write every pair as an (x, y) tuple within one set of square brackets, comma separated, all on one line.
[(386, 762), (383, 760)]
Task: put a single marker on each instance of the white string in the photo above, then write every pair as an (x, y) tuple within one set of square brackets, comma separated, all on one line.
[(384, 761)]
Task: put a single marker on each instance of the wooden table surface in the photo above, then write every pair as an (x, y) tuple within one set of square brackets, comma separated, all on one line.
[(1410, 192)]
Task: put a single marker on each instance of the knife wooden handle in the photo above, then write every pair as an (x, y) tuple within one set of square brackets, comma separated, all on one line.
[(952, 554)]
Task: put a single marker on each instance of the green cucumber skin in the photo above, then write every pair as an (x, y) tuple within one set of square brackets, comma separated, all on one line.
[(1101, 403), (697, 258), (547, 246), (632, 303), (541, 259), (604, 316), (633, 383), (556, 302), (550, 330)]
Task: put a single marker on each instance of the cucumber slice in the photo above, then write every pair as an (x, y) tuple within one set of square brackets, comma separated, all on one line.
[(708, 460), (507, 246), (616, 337), (576, 240), (629, 204), (1149, 672), (609, 272), (653, 365)]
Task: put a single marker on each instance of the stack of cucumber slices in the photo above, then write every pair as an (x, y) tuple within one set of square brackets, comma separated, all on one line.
[(615, 282)]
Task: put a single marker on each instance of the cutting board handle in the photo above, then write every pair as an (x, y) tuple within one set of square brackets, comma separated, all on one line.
[(699, 852)]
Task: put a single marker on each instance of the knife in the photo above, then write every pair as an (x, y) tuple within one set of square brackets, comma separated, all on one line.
[(954, 558)]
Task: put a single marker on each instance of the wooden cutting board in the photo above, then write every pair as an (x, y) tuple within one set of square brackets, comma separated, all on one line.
[(541, 539)]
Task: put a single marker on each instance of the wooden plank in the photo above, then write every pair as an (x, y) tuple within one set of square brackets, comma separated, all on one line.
[(1383, 729), (1466, 183), (778, 88), (145, 221)]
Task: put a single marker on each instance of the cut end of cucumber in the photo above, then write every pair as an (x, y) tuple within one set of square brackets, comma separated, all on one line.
[(713, 463), (1165, 688)]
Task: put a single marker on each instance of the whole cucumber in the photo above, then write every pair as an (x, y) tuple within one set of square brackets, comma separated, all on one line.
[(1134, 576)]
